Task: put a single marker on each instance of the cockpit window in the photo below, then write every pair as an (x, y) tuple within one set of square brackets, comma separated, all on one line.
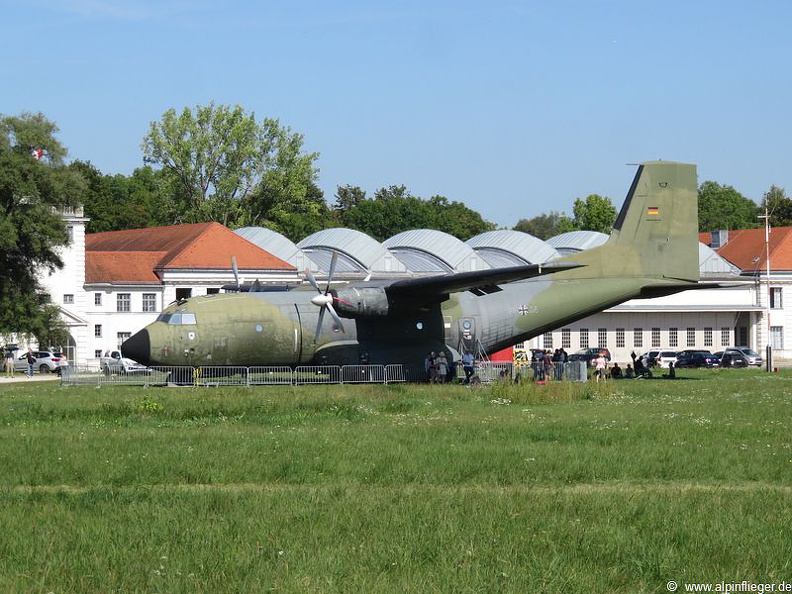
[(178, 319)]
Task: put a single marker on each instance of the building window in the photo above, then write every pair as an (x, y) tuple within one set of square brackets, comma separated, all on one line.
[(149, 302), (566, 338), (547, 340), (672, 337), (584, 338), (655, 337), (122, 336), (123, 301), (775, 298), (70, 231), (602, 338), (619, 338), (725, 337), (777, 337), (183, 293), (212, 291), (68, 299), (691, 337), (97, 331), (638, 337), (97, 299), (742, 331), (708, 337), (98, 353)]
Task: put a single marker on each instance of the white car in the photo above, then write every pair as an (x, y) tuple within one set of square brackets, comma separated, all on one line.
[(665, 358)]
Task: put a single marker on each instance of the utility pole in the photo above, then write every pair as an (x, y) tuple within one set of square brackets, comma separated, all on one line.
[(768, 348)]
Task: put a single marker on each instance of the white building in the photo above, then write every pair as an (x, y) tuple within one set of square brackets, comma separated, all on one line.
[(113, 284)]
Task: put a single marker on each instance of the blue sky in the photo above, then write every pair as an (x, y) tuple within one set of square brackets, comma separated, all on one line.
[(514, 108)]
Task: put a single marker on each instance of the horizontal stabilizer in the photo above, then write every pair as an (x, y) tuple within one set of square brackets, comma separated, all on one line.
[(428, 288), (652, 291)]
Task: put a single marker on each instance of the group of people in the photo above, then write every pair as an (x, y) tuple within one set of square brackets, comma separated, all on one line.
[(8, 359), (439, 370), (548, 366)]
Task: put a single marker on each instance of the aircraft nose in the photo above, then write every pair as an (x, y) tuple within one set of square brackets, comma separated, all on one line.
[(138, 347)]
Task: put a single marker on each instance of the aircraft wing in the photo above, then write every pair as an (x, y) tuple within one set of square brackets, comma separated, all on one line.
[(480, 282)]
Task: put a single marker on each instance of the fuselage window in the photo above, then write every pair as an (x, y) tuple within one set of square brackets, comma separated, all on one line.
[(175, 319), (187, 318), (164, 318)]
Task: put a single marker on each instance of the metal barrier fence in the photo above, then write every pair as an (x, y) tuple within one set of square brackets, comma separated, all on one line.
[(211, 376)]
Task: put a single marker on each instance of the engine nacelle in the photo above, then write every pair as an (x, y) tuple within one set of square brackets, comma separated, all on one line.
[(354, 302)]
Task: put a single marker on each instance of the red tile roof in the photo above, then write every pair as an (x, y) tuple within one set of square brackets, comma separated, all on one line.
[(137, 255), (746, 248)]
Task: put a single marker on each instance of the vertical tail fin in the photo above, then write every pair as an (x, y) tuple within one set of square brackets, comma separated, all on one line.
[(659, 219), (656, 232)]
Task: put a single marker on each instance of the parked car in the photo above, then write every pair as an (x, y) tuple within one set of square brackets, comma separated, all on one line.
[(733, 359), (649, 358), (750, 355), (589, 355), (696, 359), (658, 358), (115, 362), (46, 361)]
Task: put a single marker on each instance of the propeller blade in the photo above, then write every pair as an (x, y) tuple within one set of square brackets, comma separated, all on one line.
[(312, 280), (333, 261), (319, 324), (236, 270), (336, 319)]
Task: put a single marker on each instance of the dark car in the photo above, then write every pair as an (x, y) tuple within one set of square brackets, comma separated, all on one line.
[(734, 359), (696, 359), (588, 355)]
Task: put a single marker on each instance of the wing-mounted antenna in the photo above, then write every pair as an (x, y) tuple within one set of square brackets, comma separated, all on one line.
[(324, 300)]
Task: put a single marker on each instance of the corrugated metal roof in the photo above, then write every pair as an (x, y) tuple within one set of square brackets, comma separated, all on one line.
[(712, 264), (576, 241), (361, 249), (279, 245), (515, 247), (454, 253)]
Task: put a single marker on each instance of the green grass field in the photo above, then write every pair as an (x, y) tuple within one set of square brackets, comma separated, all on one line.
[(404, 488)]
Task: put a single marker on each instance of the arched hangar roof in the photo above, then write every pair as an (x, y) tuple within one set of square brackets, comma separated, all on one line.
[(358, 252), (577, 241), (429, 250), (712, 264), (506, 247), (278, 245)]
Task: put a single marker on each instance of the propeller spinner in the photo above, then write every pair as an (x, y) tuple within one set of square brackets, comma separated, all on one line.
[(324, 300)]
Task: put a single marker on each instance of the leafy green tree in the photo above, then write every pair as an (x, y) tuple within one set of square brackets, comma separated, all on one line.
[(546, 225), (779, 206), (117, 202), (595, 213), (723, 207), (456, 219), (34, 187), (348, 197), (228, 168), (394, 210)]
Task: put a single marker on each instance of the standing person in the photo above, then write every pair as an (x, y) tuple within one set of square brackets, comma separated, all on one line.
[(31, 361), (467, 365), (442, 367), (9, 363), (547, 363), (431, 367), (601, 366), (63, 365)]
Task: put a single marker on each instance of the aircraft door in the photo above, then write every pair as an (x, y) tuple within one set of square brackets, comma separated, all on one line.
[(468, 339)]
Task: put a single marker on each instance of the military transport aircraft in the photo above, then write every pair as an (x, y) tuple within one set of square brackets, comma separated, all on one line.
[(652, 251)]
